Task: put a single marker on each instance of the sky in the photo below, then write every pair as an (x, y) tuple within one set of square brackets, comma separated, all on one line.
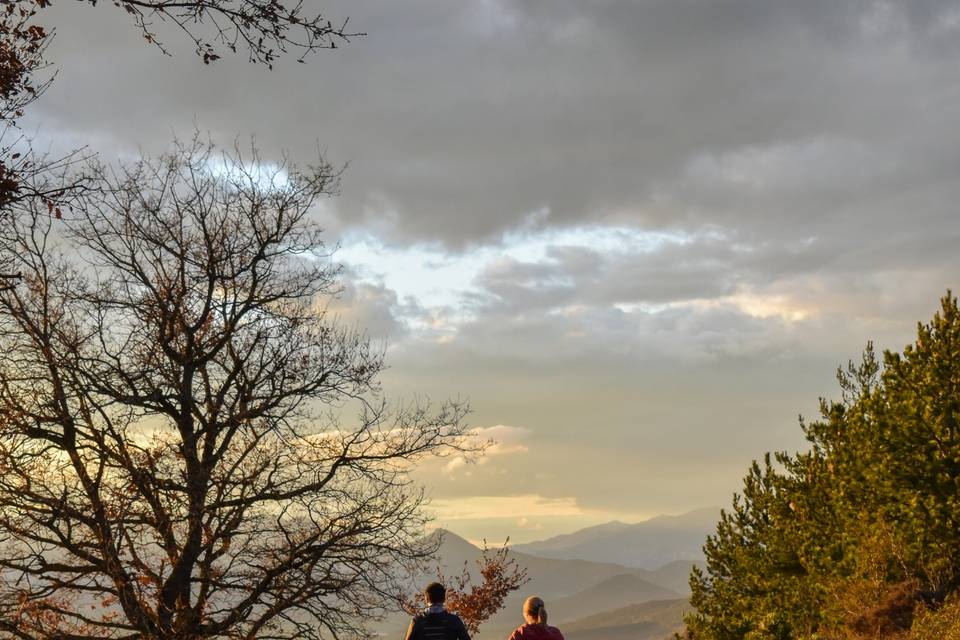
[(639, 236)]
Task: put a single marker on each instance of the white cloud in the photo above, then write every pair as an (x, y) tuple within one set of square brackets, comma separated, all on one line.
[(455, 463), (504, 439), (498, 440)]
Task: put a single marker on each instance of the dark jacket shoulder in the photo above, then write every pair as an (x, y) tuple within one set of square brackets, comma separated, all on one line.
[(441, 625)]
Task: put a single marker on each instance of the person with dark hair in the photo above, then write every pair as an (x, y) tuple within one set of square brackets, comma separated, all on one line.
[(436, 623), (536, 628)]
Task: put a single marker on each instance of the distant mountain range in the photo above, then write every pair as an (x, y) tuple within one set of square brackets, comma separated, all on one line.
[(649, 545), (573, 588), (611, 582)]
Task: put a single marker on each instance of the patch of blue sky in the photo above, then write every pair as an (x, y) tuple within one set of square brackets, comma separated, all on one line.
[(435, 277)]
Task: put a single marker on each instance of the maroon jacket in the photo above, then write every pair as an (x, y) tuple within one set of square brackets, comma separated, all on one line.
[(536, 632)]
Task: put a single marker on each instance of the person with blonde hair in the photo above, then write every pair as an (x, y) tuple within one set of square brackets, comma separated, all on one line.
[(536, 628)]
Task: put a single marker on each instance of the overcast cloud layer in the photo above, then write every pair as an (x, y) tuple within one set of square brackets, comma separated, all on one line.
[(638, 235)]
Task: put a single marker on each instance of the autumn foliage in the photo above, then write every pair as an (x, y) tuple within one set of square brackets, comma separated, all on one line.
[(476, 601)]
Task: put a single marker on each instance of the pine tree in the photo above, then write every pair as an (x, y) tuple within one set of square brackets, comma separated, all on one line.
[(852, 536)]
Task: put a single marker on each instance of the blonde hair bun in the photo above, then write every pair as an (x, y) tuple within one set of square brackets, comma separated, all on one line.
[(535, 609)]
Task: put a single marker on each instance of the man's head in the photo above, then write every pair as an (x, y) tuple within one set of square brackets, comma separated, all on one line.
[(435, 593)]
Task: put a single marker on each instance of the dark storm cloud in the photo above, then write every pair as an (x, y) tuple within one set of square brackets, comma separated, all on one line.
[(572, 276), (459, 119)]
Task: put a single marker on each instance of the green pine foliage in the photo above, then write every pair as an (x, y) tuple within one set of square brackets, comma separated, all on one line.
[(858, 537)]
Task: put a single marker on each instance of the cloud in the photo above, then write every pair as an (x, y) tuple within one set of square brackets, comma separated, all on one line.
[(787, 169), (371, 307), (454, 464), (505, 440), (595, 112), (646, 231), (499, 440)]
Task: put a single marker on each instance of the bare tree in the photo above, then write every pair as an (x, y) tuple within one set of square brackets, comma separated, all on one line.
[(263, 29), (174, 457)]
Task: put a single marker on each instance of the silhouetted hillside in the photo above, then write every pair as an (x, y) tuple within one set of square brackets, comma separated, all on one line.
[(630, 622), (643, 630)]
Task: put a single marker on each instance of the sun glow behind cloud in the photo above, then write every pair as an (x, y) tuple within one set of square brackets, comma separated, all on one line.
[(512, 507)]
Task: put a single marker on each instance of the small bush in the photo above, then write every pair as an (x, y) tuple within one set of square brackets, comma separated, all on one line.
[(941, 623)]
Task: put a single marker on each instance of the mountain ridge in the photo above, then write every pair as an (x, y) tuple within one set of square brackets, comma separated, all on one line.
[(650, 544), (616, 592)]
